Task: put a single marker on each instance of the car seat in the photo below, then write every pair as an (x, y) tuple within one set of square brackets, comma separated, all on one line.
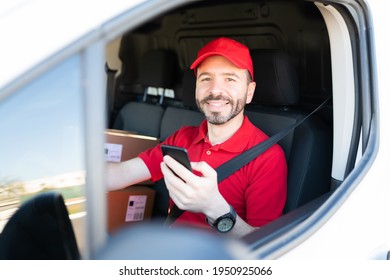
[(308, 148), (188, 114), (158, 69)]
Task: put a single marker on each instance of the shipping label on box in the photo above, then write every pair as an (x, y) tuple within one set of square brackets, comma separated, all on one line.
[(130, 205), (113, 152), (136, 208)]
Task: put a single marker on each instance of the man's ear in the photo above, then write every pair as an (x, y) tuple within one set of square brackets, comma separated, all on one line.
[(250, 92)]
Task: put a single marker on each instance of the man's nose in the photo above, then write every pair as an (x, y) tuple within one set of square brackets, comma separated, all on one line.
[(216, 86)]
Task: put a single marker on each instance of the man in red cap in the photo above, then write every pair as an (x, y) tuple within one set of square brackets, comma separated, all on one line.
[(247, 199)]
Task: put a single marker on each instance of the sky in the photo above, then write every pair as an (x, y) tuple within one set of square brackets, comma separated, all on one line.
[(41, 126)]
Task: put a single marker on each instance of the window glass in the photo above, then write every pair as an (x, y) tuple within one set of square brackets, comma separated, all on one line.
[(42, 140)]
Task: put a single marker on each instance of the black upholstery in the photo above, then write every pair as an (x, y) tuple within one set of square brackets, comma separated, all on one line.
[(276, 78), (158, 69), (188, 89), (308, 149), (39, 230), (175, 117), (140, 118)]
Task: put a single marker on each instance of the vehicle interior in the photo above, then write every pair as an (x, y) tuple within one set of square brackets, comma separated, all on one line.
[(150, 89), (309, 69)]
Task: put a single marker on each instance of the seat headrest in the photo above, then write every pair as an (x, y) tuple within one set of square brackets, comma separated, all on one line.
[(276, 78), (188, 89), (158, 68)]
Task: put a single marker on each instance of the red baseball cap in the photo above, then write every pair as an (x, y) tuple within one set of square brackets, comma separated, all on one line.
[(234, 51)]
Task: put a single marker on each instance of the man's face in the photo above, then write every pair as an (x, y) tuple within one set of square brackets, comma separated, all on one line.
[(222, 89)]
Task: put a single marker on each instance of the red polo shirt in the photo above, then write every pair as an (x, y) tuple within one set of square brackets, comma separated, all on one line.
[(257, 191)]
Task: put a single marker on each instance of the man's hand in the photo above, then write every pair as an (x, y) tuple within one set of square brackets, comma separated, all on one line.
[(192, 192)]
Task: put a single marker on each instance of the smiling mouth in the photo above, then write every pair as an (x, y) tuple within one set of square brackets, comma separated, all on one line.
[(217, 103), (216, 106)]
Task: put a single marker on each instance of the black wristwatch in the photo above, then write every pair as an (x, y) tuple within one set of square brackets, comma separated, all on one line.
[(226, 222)]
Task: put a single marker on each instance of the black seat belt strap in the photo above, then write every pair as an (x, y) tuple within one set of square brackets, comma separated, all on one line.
[(231, 166)]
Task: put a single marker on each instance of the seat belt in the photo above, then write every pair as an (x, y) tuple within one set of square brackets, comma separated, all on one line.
[(231, 166)]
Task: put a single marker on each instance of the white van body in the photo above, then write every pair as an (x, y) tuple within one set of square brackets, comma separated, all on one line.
[(40, 35)]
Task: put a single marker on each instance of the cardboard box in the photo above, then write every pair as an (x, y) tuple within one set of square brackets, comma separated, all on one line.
[(123, 145), (131, 205)]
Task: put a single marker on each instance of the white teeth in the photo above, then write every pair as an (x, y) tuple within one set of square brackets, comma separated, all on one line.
[(217, 104)]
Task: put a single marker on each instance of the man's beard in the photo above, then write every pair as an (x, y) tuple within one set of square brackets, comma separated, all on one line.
[(216, 118)]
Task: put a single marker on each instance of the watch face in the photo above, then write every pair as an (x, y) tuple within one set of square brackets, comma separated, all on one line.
[(225, 225)]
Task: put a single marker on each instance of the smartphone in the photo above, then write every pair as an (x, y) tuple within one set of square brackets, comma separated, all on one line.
[(179, 154)]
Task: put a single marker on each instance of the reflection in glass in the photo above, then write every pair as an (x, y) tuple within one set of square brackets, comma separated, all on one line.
[(42, 140)]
